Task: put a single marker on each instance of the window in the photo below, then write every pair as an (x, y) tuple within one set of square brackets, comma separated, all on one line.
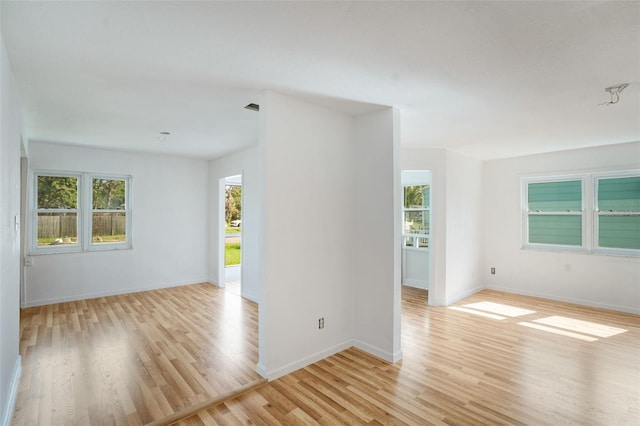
[(109, 214), (555, 213), (80, 211), (592, 213), (416, 216), (618, 213), (57, 211)]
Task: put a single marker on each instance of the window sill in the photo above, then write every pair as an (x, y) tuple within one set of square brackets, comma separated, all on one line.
[(580, 250), (77, 250)]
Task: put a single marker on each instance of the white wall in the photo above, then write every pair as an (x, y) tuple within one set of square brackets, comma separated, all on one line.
[(245, 163), (309, 234), (307, 226), (377, 212), (601, 281), (464, 226), (456, 221), (169, 231), (10, 143)]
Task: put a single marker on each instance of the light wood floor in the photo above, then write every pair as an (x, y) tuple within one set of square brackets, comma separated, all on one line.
[(480, 361), (134, 358)]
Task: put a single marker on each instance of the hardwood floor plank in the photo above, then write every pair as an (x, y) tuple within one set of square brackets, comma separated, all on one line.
[(462, 368), (133, 358), (144, 357)]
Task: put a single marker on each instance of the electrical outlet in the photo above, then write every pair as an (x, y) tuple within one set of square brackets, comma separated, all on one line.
[(320, 323), (493, 271)]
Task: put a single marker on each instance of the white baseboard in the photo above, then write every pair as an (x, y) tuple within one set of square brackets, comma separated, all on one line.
[(13, 393), (261, 370), (464, 294), (296, 365), (73, 298), (380, 353), (251, 298), (213, 283), (411, 282), (573, 300)]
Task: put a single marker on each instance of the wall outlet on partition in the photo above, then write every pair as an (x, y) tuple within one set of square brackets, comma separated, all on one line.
[(320, 323), (28, 261), (493, 271)]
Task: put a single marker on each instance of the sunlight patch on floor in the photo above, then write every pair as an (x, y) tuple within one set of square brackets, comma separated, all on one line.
[(500, 309), (483, 314), (558, 331), (579, 326), (578, 329)]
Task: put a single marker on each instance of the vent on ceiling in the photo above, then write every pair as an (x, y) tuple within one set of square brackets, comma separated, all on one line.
[(253, 107)]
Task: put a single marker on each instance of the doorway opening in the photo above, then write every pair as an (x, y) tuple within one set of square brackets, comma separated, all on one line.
[(416, 229), (233, 234)]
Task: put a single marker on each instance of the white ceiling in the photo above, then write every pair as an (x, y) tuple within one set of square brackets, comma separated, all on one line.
[(489, 79)]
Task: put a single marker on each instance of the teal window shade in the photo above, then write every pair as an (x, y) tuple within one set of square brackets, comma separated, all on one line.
[(565, 230), (619, 213), (555, 213), (556, 196)]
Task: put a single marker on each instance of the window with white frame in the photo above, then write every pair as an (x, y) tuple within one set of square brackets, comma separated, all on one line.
[(555, 213), (109, 210), (416, 216), (79, 212), (617, 210), (57, 211), (592, 213)]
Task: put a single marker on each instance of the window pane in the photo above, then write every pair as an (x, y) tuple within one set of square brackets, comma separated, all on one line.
[(109, 227), (563, 230), (56, 192), (555, 196), (57, 229), (109, 194), (619, 194), (426, 196), (414, 196), (416, 222), (619, 231)]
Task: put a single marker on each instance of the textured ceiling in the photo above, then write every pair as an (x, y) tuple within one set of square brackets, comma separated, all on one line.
[(488, 79)]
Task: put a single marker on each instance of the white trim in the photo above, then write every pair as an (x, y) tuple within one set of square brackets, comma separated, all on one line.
[(590, 213), (117, 292), (462, 295), (525, 182), (415, 237), (301, 363), (12, 393), (84, 214), (32, 203), (89, 245), (566, 299), (555, 247), (610, 251), (412, 282), (250, 297), (376, 351), (261, 370)]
